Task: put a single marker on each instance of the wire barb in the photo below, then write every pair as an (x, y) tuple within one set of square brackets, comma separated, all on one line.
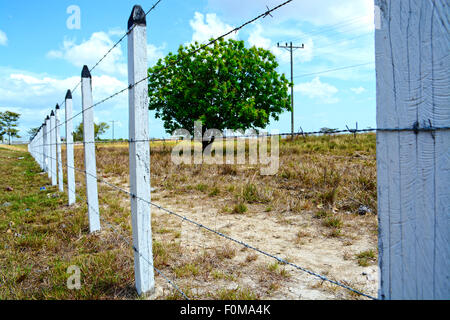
[(268, 13)]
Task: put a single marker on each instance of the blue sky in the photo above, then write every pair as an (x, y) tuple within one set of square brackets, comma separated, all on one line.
[(40, 57)]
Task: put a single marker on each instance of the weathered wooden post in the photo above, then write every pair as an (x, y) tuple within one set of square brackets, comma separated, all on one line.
[(69, 150), (53, 169), (412, 66), (47, 147), (140, 153), (89, 150), (58, 149)]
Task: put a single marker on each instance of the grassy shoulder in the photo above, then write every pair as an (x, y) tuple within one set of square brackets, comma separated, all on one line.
[(40, 238)]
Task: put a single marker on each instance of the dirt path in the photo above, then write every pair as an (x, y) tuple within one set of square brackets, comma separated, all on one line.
[(331, 257)]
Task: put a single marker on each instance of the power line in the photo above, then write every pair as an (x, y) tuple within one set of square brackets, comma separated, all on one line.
[(332, 27), (343, 41), (332, 70)]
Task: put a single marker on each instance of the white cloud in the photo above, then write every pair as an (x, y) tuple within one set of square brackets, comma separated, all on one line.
[(90, 51), (3, 38), (358, 90), (155, 53), (257, 39), (23, 89), (34, 95), (318, 90), (320, 12), (209, 26)]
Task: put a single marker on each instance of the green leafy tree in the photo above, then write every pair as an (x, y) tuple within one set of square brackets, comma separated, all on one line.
[(9, 121), (33, 131), (99, 129), (225, 86)]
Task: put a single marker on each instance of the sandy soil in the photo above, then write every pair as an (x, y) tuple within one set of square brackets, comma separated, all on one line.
[(331, 257)]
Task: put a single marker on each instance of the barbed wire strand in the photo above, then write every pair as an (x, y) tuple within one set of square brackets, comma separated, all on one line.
[(301, 133), (119, 233), (184, 218)]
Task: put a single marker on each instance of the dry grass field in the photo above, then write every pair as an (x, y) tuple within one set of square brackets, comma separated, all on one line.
[(308, 213)]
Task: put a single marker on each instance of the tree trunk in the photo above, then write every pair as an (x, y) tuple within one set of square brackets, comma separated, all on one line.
[(206, 142)]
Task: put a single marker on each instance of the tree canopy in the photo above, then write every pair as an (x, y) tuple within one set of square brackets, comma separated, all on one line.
[(225, 86), (33, 131), (2, 128), (99, 129), (8, 125)]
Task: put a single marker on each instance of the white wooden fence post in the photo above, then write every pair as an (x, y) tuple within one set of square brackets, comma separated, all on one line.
[(89, 150), (140, 153), (34, 144), (53, 168), (39, 149), (412, 64), (69, 150), (42, 146), (47, 147), (58, 149)]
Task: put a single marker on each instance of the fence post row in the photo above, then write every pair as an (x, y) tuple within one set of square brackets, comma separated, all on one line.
[(89, 150), (412, 45), (51, 158), (140, 152), (47, 147), (69, 149), (58, 148), (53, 169)]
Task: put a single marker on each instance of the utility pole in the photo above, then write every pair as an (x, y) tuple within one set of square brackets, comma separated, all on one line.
[(113, 122), (291, 49)]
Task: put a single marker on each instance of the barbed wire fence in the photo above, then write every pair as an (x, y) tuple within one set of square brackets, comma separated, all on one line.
[(45, 147)]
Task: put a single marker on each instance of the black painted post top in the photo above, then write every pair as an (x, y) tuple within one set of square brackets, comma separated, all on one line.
[(48, 118), (86, 73), (137, 17), (52, 114), (68, 95), (57, 107)]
